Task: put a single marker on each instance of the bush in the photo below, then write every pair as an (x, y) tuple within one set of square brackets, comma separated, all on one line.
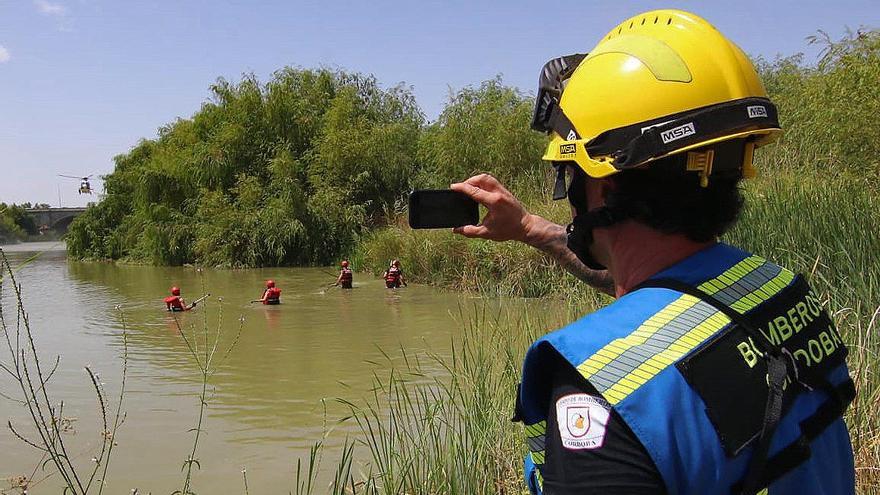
[(286, 173)]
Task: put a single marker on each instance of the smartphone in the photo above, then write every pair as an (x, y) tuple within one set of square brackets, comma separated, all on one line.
[(441, 209)]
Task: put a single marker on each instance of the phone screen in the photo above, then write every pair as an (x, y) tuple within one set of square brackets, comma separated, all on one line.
[(440, 209)]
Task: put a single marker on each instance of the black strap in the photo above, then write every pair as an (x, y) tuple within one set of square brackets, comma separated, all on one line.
[(797, 452), (560, 123), (559, 189), (635, 144), (777, 371)]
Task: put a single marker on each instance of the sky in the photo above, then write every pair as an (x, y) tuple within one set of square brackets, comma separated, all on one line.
[(84, 80)]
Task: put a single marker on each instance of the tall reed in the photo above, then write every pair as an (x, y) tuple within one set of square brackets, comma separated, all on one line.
[(204, 348)]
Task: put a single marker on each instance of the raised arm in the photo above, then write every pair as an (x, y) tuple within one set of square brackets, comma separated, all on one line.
[(508, 220)]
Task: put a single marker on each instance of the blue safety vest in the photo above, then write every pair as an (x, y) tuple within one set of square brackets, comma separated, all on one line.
[(692, 383)]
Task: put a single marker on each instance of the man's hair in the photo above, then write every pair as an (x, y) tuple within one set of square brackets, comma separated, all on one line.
[(665, 197)]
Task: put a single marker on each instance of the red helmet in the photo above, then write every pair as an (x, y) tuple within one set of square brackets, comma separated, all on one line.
[(344, 263), (175, 291), (270, 283)]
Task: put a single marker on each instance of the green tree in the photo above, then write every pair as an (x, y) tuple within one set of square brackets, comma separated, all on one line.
[(483, 129), (287, 172)]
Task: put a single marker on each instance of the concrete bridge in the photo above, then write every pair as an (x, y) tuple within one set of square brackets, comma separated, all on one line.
[(57, 219)]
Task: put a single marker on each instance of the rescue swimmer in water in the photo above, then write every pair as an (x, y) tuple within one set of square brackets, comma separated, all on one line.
[(394, 276), (272, 294), (345, 277), (175, 301)]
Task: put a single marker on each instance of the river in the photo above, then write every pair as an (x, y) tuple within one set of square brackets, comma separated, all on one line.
[(270, 401)]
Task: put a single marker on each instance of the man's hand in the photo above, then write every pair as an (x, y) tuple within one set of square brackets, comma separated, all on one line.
[(507, 219)]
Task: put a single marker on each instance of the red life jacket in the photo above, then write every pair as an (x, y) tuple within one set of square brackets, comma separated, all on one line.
[(272, 296), (172, 303), (346, 275), (393, 275)]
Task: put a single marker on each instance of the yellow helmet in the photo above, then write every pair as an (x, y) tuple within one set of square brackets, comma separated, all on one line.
[(660, 83)]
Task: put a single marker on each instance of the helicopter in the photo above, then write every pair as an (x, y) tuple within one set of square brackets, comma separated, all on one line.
[(84, 186)]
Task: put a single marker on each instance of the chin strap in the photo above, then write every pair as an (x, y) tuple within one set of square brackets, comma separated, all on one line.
[(559, 188), (580, 233)]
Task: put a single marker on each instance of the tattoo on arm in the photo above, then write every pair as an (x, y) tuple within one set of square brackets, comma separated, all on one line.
[(552, 239)]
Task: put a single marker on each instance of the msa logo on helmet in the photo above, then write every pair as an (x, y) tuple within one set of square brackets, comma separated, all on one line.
[(757, 111), (678, 132), (567, 149)]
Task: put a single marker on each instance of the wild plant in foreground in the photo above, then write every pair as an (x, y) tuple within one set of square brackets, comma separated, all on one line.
[(863, 418), (48, 420), (203, 348)]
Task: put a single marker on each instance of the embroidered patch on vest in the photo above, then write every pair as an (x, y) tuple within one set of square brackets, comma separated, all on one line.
[(582, 420)]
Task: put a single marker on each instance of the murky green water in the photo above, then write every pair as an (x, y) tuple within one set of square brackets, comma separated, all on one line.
[(273, 398)]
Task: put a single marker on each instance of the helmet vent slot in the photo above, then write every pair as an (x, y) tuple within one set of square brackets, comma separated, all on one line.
[(656, 19), (669, 21)]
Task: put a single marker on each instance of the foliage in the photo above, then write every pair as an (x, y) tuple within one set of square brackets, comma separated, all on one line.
[(289, 172), (828, 111), (15, 224), (483, 129)]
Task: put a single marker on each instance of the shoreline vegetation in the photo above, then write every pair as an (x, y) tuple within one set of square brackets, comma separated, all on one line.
[(315, 164)]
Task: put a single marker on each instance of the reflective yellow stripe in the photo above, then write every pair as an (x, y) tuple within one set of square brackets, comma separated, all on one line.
[(538, 457), (763, 293), (731, 275), (617, 347), (656, 363), (536, 429), (537, 432), (625, 364)]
